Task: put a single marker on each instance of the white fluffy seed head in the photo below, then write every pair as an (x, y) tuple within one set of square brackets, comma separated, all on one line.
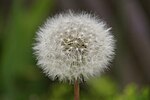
[(74, 46)]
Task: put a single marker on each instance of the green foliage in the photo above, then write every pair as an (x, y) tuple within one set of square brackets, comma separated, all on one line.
[(17, 64), (104, 88), (61, 92)]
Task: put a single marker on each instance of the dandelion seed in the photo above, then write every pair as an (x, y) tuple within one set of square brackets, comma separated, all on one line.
[(74, 46)]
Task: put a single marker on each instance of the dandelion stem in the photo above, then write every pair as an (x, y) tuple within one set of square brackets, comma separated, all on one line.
[(76, 90)]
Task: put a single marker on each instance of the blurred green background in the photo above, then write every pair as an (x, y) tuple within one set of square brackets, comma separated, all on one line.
[(128, 77)]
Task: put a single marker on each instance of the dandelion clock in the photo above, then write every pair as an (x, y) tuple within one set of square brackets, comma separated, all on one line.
[(74, 46)]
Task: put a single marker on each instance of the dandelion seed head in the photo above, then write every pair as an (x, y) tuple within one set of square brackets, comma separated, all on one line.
[(74, 46)]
